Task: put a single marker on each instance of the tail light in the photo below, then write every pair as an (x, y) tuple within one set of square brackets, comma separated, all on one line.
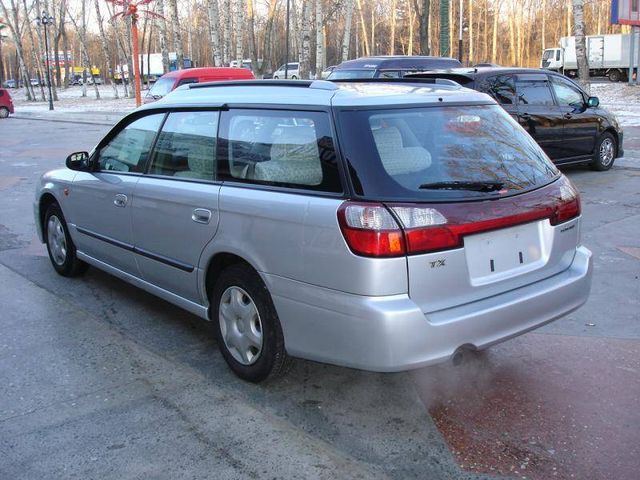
[(394, 230)]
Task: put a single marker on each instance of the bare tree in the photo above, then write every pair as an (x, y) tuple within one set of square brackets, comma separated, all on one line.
[(162, 29), (105, 44), (226, 28), (13, 22), (177, 36), (319, 39), (239, 29), (581, 44), (423, 8), (214, 30), (346, 38), (81, 30), (305, 53)]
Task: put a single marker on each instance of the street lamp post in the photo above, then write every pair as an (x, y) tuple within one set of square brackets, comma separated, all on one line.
[(45, 20)]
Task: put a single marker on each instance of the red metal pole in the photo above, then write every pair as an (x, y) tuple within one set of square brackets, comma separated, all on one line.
[(136, 59)]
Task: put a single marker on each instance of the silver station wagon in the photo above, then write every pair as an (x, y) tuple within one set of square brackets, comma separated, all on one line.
[(374, 225)]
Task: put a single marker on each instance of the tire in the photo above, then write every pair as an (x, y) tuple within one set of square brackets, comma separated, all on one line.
[(246, 325), (4, 112), (276, 77), (605, 152), (615, 76), (62, 251), (294, 77)]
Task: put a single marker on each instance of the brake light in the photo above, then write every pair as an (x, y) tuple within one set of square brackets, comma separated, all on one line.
[(370, 230), (393, 230)]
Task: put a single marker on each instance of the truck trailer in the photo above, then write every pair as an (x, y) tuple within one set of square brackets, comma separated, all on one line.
[(607, 55)]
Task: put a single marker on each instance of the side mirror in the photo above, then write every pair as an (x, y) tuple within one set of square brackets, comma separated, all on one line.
[(593, 102), (78, 161)]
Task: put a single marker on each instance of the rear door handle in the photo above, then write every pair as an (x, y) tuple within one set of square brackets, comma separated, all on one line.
[(120, 200), (568, 116), (201, 215)]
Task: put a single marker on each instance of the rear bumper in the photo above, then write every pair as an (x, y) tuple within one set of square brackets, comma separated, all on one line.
[(391, 333)]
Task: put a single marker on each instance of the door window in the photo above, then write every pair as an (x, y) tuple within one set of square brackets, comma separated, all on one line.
[(534, 91), (500, 87), (290, 149), (390, 74), (129, 149), (567, 94), (186, 146)]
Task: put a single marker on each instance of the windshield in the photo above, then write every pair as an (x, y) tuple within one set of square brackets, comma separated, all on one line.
[(349, 74), (547, 54), (441, 153), (162, 87)]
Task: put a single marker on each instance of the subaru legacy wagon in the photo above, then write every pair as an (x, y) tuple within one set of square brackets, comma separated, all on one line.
[(376, 226)]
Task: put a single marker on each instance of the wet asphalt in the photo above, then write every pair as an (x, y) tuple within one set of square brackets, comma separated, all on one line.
[(101, 380)]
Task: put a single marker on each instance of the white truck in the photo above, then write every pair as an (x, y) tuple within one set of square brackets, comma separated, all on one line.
[(607, 55)]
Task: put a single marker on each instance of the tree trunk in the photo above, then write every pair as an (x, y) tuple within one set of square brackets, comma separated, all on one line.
[(214, 30), (494, 44), (367, 51), (444, 28), (13, 22), (346, 38), (471, 55), (162, 29), (239, 27), (226, 15), (305, 53), (544, 24), (423, 18), (177, 36), (581, 44), (319, 40), (105, 45), (392, 46)]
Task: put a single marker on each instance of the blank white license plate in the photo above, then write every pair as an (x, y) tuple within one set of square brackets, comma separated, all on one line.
[(504, 253)]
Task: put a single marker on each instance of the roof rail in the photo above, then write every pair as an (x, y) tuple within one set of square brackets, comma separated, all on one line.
[(414, 80), (317, 84)]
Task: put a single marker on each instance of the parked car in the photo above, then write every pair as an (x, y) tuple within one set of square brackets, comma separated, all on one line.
[(390, 66), (172, 80), (34, 82), (6, 104), (327, 71), (10, 83), (569, 125), (293, 71), (377, 226)]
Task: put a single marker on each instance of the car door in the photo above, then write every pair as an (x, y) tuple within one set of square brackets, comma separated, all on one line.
[(580, 123), (539, 114), (503, 89), (175, 208), (101, 200)]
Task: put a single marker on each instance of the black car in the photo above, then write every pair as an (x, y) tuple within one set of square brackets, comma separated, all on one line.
[(569, 125), (396, 66)]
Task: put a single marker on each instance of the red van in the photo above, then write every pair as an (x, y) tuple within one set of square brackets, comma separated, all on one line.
[(172, 80), (6, 105)]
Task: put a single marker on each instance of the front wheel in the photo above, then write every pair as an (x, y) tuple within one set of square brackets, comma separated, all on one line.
[(247, 326), (615, 76), (62, 251), (4, 112), (605, 153)]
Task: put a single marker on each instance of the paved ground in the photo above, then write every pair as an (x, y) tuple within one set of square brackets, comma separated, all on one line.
[(101, 380)]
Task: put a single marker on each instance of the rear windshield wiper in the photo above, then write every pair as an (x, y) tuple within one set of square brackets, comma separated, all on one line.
[(488, 186)]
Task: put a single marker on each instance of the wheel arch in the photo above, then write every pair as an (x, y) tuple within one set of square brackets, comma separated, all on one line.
[(216, 264), (46, 200), (613, 132)]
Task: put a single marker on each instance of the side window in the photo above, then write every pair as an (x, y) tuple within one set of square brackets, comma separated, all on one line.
[(557, 54), (1, 93), (186, 81), (279, 148), (129, 149), (534, 92), (500, 87), (186, 146), (567, 94)]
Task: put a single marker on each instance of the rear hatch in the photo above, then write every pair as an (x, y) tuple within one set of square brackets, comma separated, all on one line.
[(461, 191)]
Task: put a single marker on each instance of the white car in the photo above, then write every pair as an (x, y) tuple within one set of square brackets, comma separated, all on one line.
[(293, 71)]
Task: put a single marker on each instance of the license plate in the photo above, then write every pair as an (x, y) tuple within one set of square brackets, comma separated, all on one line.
[(504, 253)]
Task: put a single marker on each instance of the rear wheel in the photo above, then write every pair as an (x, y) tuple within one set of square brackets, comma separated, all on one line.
[(615, 76), (4, 112), (62, 251), (605, 152), (247, 326)]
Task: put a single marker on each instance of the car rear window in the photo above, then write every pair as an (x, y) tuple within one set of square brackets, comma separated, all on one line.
[(399, 154), (162, 87), (351, 74)]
